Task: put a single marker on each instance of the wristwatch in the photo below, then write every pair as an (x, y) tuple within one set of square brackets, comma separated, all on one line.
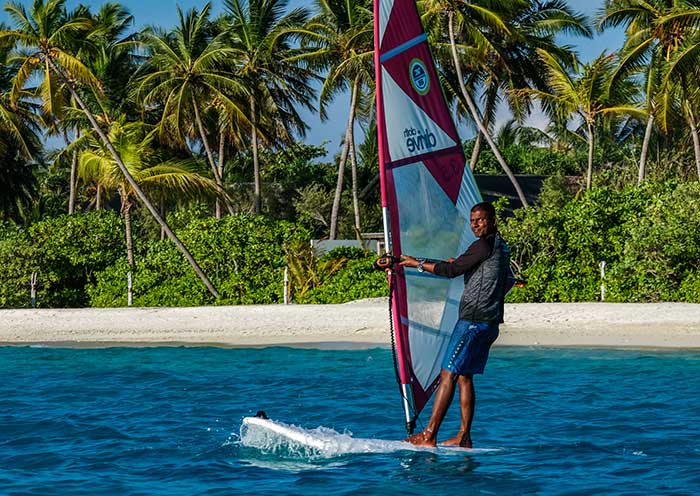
[(419, 267)]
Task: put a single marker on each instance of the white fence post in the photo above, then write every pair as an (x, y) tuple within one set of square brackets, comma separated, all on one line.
[(32, 281), (602, 280), (286, 285), (129, 292)]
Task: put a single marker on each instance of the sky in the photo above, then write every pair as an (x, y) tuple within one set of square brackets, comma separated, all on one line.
[(163, 13)]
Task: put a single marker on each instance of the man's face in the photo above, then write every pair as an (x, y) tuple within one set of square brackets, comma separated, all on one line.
[(481, 224)]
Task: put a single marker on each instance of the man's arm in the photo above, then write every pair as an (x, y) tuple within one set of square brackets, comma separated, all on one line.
[(477, 252), (409, 261)]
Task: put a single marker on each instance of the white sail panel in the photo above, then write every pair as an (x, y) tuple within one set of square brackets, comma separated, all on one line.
[(432, 226), (385, 8), (409, 129)]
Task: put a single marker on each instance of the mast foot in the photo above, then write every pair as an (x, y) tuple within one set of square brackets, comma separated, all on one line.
[(411, 426)]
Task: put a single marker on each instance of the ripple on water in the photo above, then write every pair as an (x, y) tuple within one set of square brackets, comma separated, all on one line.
[(166, 421)]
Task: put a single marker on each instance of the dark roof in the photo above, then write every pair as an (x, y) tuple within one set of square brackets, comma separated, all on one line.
[(493, 187)]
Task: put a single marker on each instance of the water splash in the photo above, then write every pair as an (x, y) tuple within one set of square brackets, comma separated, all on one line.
[(323, 443)]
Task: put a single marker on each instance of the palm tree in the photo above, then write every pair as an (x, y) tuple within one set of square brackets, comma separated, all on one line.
[(186, 73), (19, 143), (339, 40), (110, 58), (19, 120), (57, 99), (47, 36), (680, 70), (114, 61), (513, 62), (261, 38), (145, 163), (471, 19), (586, 94), (655, 31)]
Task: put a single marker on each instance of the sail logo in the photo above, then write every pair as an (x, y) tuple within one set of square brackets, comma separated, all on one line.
[(418, 141), (418, 75)]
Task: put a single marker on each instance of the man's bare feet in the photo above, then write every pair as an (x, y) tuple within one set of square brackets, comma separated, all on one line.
[(425, 438), (462, 440)]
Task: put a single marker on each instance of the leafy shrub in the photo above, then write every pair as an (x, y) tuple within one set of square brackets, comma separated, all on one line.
[(347, 252), (17, 262), (66, 251), (649, 238), (342, 274), (242, 255), (660, 260), (355, 280)]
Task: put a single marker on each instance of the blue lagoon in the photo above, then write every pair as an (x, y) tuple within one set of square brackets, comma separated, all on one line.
[(167, 421)]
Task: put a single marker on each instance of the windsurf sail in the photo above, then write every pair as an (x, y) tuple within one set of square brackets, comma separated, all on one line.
[(427, 194)]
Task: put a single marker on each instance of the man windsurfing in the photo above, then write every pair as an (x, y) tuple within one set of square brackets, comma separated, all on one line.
[(485, 267)]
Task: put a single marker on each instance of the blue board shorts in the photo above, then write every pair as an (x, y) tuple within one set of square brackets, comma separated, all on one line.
[(469, 347)]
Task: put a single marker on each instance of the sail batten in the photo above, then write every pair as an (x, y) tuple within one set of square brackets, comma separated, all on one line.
[(427, 193), (403, 47)]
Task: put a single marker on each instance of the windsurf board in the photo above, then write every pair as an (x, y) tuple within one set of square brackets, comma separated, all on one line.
[(263, 433)]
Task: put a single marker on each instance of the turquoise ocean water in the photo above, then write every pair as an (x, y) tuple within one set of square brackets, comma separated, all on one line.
[(166, 421)]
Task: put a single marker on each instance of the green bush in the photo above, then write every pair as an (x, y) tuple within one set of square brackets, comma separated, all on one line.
[(17, 262), (525, 159), (242, 255), (660, 260), (347, 252), (649, 238), (67, 252), (356, 279)]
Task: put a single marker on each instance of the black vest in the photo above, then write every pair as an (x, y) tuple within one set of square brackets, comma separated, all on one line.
[(484, 286)]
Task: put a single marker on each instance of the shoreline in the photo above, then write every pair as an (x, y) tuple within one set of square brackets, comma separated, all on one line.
[(357, 324)]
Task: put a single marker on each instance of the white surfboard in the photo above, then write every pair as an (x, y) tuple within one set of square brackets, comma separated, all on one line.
[(291, 432), (270, 435)]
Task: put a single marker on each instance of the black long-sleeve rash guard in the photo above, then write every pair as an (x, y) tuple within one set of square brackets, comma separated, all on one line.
[(477, 252)]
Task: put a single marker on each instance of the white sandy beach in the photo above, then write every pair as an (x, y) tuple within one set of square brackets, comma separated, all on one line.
[(360, 323)]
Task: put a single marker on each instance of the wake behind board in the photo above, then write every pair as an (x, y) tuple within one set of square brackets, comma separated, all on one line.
[(271, 429), (322, 442)]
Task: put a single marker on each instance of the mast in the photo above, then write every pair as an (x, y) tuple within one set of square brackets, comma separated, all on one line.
[(406, 392)]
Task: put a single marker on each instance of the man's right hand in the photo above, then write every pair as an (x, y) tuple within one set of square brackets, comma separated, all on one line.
[(408, 261)]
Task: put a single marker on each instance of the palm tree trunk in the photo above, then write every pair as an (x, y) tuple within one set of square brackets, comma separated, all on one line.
[(98, 197), (126, 213), (210, 156), (696, 138), (205, 141), (645, 148), (256, 164), (343, 160), (591, 143), (220, 167), (476, 151), (355, 198), (73, 185), (475, 113), (162, 214), (73, 175), (134, 185)]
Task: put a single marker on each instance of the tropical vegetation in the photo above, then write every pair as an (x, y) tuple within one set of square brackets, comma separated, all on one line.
[(175, 155)]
